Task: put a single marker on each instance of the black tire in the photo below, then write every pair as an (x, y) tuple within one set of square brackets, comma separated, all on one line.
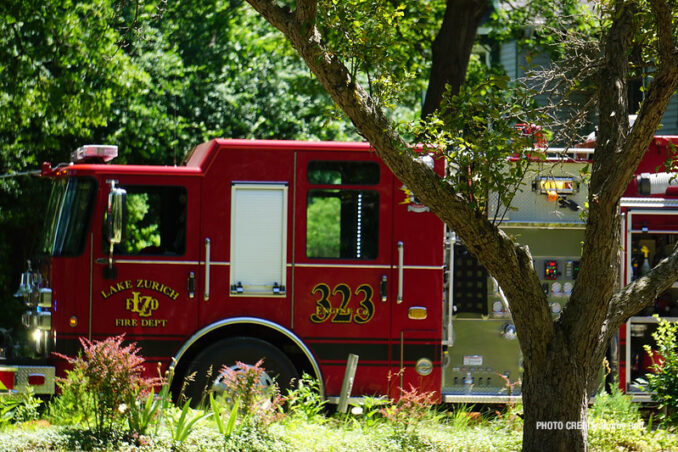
[(207, 364)]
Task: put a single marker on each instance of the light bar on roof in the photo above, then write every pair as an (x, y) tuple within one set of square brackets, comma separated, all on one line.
[(94, 152), (559, 185)]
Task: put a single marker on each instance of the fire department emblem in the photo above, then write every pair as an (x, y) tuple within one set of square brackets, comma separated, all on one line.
[(413, 204)]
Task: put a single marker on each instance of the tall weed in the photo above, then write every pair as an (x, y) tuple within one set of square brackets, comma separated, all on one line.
[(181, 424), (304, 400)]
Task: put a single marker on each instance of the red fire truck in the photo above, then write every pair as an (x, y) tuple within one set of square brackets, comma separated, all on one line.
[(300, 253)]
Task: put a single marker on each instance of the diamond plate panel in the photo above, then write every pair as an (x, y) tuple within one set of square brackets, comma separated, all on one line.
[(25, 371)]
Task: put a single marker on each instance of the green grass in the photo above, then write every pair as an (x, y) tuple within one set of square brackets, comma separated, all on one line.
[(298, 422), (454, 429)]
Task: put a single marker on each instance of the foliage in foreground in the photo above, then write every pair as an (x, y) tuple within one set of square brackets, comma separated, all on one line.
[(248, 416), (455, 429), (104, 385), (663, 382)]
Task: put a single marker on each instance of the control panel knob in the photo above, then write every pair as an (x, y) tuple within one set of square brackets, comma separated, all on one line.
[(509, 331), (556, 288)]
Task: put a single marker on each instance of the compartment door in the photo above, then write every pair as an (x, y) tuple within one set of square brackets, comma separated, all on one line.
[(258, 239), (343, 285)]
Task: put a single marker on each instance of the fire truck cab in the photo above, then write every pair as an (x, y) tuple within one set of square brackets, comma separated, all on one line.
[(295, 252)]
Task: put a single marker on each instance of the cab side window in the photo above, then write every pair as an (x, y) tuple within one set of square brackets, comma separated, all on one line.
[(155, 221), (342, 217)]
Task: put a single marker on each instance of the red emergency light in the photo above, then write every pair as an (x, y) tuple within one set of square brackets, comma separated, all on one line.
[(94, 153)]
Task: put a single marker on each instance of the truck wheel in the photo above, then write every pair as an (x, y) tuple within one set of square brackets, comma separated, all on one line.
[(207, 365)]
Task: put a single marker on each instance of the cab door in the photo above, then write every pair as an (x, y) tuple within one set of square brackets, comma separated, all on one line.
[(342, 264), (148, 291)]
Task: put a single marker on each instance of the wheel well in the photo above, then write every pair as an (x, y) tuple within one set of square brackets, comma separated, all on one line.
[(276, 338)]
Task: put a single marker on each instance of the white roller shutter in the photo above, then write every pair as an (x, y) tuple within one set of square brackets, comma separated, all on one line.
[(258, 239)]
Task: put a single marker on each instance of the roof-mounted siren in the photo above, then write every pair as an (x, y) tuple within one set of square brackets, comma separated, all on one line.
[(94, 153)]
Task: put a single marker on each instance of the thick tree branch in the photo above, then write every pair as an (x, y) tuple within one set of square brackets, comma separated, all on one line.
[(306, 11), (643, 291), (622, 150), (662, 13), (452, 49), (509, 264), (618, 153), (596, 280)]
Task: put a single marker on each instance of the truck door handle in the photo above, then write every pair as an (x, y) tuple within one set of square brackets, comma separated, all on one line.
[(383, 287), (208, 244), (401, 255), (191, 285)]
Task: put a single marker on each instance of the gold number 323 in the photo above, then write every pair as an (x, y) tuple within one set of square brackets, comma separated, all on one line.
[(343, 313)]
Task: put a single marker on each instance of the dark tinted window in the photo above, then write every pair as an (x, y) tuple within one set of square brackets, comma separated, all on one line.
[(343, 173), (155, 221)]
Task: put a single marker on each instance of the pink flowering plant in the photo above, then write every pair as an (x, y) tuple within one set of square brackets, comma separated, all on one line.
[(104, 382), (257, 395)]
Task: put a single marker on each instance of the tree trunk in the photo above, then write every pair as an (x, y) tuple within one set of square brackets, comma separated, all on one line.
[(555, 404), (452, 49)]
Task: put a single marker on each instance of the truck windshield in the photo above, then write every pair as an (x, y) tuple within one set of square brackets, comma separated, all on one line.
[(68, 216)]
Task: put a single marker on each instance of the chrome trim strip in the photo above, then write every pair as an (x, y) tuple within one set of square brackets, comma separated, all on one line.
[(274, 326), (341, 266), (650, 203), (289, 265), (423, 267), (459, 398), (293, 195), (158, 262), (536, 225)]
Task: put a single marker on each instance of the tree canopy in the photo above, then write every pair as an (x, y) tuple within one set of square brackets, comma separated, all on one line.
[(152, 77)]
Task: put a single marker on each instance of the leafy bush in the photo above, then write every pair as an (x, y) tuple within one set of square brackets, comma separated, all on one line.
[(105, 380), (663, 383), (304, 400), (614, 406), (406, 413), (19, 408), (259, 399), (412, 407)]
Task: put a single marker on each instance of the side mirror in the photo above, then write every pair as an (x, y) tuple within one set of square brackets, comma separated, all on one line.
[(115, 211)]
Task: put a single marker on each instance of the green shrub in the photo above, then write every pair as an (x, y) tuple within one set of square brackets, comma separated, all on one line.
[(259, 403), (19, 408), (614, 406), (304, 400), (663, 383), (73, 406)]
